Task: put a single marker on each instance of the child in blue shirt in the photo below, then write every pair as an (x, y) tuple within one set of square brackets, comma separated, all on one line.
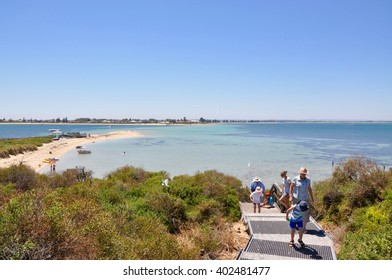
[(294, 216)]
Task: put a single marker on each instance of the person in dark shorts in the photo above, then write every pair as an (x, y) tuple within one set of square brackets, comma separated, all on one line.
[(294, 216)]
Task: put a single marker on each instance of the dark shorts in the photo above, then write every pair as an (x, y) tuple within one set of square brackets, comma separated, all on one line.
[(298, 224)]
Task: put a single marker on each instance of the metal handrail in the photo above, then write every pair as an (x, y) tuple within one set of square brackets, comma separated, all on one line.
[(276, 193)]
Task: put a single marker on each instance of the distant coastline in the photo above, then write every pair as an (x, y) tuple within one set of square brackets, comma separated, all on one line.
[(179, 121)]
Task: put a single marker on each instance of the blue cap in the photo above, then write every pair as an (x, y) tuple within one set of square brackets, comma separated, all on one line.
[(303, 206)]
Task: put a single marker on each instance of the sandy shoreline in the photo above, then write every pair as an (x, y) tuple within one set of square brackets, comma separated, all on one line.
[(58, 148)]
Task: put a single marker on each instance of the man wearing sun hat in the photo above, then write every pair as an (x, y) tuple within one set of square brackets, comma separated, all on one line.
[(301, 190), (256, 183)]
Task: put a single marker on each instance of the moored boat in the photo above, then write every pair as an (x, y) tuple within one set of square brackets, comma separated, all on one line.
[(84, 151)]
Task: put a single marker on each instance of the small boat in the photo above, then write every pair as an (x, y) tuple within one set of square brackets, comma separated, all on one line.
[(84, 151)]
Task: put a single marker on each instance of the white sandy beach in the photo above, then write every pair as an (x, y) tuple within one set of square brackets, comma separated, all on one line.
[(58, 148)]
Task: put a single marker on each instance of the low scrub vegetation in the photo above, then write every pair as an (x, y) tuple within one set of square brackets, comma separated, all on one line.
[(12, 147), (127, 215), (130, 214), (357, 202)]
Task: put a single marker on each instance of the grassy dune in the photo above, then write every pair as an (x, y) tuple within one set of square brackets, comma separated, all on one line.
[(9, 147)]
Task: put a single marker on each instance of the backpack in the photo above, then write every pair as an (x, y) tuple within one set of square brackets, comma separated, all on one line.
[(253, 186)]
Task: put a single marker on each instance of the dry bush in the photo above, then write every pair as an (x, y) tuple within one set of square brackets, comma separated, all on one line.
[(363, 195), (210, 242), (129, 174), (336, 233), (21, 176), (149, 240), (356, 167), (207, 209), (186, 240), (332, 197)]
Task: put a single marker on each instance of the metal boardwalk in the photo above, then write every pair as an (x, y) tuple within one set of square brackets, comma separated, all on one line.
[(270, 233)]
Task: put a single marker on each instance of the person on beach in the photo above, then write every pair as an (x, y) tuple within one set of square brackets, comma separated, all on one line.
[(256, 183), (284, 199), (295, 216), (257, 197), (301, 190)]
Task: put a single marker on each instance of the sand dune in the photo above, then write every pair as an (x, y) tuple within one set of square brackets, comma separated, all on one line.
[(58, 148)]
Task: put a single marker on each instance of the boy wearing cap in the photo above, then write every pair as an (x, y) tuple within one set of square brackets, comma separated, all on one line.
[(294, 216)]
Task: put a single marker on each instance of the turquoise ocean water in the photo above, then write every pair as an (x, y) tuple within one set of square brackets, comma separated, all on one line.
[(241, 150)]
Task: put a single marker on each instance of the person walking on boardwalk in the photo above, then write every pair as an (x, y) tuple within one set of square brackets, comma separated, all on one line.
[(284, 199), (295, 216), (257, 197), (256, 183), (301, 190)]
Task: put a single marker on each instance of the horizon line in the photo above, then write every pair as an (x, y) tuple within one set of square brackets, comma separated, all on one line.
[(109, 120)]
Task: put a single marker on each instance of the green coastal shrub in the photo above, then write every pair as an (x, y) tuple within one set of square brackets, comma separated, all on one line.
[(222, 188), (370, 235), (127, 215), (22, 223), (209, 187), (129, 174), (7, 192), (367, 245), (357, 183), (358, 198), (171, 209), (186, 188), (205, 210), (149, 240)]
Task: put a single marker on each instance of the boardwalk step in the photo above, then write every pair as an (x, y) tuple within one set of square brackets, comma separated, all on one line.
[(278, 248), (280, 227), (269, 235)]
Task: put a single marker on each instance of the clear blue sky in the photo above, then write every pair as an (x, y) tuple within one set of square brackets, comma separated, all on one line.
[(220, 59)]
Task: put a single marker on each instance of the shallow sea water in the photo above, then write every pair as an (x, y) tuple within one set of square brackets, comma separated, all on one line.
[(241, 150)]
